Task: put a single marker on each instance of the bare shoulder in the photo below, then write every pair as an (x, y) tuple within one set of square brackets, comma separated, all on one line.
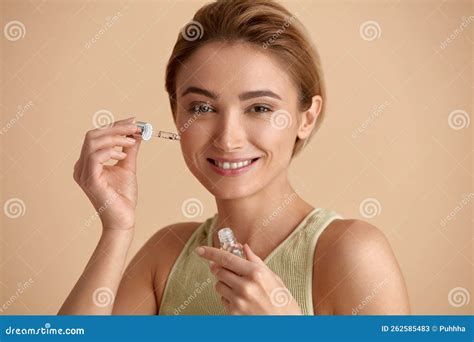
[(356, 272), (143, 281), (173, 236), (161, 251)]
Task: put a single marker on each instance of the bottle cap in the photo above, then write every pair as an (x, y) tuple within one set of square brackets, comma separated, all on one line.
[(225, 235), (146, 130)]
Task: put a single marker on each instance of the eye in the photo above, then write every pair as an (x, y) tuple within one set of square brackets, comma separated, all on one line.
[(200, 108), (260, 109)]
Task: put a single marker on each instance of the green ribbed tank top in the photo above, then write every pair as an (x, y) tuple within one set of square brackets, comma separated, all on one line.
[(189, 289)]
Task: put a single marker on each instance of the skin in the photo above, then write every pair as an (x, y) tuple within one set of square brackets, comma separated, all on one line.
[(355, 270)]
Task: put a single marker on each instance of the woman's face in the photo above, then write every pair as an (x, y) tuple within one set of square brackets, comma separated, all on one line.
[(237, 116)]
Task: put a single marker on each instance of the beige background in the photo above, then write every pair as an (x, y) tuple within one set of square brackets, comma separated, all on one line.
[(388, 134)]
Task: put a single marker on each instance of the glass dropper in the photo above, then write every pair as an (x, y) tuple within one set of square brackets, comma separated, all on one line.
[(147, 132)]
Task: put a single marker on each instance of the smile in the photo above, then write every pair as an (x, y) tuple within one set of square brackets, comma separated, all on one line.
[(232, 167)]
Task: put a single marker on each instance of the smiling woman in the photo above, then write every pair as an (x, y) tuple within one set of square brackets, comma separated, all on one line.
[(269, 30), (247, 93)]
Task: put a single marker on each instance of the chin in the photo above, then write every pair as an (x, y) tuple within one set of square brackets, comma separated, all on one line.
[(230, 192), (227, 188)]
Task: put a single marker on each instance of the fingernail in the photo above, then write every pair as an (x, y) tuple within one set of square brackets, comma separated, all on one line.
[(131, 140), (199, 251)]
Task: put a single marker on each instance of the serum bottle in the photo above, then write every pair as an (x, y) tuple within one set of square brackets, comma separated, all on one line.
[(229, 243)]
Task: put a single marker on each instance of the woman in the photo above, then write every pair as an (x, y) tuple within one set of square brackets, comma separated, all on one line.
[(247, 94)]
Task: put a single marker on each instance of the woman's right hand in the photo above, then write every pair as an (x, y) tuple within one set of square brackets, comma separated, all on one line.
[(112, 189)]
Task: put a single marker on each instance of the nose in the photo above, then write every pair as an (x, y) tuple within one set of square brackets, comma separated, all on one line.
[(230, 135)]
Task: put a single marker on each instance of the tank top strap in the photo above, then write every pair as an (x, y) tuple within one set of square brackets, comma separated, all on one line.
[(293, 260)]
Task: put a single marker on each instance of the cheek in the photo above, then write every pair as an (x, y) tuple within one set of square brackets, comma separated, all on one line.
[(273, 138), (193, 134)]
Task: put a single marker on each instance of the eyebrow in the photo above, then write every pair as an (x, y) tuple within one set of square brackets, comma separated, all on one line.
[(201, 91), (258, 93), (244, 96)]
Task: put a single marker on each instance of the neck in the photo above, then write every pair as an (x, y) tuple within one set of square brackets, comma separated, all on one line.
[(270, 213)]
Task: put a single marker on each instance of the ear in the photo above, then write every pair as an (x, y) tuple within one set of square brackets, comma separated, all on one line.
[(308, 117)]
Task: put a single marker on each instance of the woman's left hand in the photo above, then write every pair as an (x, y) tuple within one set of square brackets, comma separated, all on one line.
[(248, 287)]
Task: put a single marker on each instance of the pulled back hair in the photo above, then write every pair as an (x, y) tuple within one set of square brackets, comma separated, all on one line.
[(264, 24)]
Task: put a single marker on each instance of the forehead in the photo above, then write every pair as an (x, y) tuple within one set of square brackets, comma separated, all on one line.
[(229, 68)]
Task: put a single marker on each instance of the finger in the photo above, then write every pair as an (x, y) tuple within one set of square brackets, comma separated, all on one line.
[(130, 163), (251, 256), (119, 129), (127, 128), (117, 125), (108, 141), (231, 279), (225, 259), (224, 290), (127, 121), (96, 160), (225, 301)]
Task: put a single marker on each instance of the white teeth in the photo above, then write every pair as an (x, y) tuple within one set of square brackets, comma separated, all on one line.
[(232, 166)]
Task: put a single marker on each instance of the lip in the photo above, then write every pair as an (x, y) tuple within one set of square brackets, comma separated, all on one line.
[(235, 160), (232, 172)]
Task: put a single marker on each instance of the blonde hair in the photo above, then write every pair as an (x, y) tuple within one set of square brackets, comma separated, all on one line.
[(264, 24)]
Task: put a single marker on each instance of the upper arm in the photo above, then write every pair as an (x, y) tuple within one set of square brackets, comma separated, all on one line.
[(144, 279), (136, 295), (361, 274)]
